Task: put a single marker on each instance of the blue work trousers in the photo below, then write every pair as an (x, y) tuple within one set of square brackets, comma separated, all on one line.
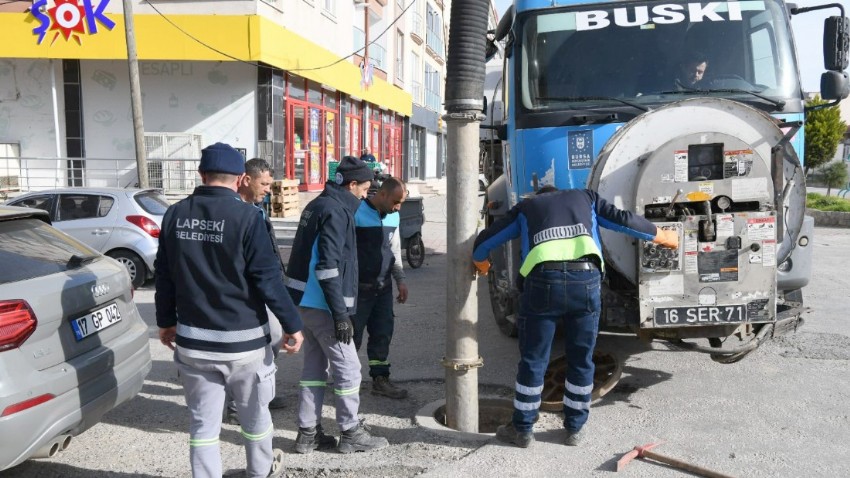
[(375, 316), (549, 297)]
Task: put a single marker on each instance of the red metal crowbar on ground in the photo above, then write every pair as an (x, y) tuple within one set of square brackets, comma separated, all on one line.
[(645, 452)]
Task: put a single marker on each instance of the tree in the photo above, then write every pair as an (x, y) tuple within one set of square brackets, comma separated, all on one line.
[(824, 130), (835, 175)]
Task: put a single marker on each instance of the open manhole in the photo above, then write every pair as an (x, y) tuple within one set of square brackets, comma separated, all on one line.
[(492, 412), (606, 375)]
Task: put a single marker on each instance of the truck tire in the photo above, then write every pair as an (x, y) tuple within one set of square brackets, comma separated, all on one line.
[(504, 308)]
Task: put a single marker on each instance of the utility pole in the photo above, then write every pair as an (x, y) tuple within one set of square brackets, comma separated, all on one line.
[(464, 103), (135, 96)]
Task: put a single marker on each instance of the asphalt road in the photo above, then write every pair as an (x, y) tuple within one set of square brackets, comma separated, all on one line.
[(781, 412)]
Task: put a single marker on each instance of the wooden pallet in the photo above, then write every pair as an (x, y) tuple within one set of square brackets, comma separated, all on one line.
[(284, 199), (285, 186)]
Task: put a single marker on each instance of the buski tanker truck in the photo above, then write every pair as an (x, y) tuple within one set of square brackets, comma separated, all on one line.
[(689, 113)]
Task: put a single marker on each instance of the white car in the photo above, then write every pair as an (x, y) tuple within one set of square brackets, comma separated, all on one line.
[(72, 343), (120, 223)]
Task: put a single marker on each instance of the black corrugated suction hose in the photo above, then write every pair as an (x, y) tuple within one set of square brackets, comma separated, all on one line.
[(467, 46)]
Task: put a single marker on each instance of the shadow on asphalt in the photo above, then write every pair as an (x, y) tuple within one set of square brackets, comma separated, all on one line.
[(41, 468)]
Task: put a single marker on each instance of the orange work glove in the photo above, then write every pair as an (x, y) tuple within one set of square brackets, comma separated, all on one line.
[(483, 267), (667, 238)]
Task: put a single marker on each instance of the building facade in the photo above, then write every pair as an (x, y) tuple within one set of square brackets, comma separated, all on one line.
[(428, 29), (279, 79)]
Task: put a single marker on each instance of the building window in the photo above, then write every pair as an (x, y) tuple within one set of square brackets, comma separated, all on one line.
[(416, 78), (432, 88), (399, 55), (329, 6), (434, 34), (417, 19)]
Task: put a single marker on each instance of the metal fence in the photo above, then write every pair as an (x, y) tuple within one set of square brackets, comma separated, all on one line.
[(18, 175)]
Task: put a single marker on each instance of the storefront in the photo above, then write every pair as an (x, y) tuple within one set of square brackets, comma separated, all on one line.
[(315, 138), (424, 161), (255, 98)]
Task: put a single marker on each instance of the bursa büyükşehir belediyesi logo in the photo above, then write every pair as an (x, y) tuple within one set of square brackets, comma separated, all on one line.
[(69, 19)]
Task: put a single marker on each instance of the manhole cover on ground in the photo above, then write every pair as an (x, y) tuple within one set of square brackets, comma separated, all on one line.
[(606, 375)]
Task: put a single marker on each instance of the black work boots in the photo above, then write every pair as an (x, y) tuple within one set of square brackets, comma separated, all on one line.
[(359, 439), (509, 434), (313, 438), (381, 385)]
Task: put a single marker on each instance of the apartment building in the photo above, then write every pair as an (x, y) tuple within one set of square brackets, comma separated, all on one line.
[(279, 79), (426, 63)]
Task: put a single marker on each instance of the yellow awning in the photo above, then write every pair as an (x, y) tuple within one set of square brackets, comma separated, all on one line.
[(250, 38)]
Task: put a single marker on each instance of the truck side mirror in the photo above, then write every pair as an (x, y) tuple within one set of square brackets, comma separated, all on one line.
[(834, 85), (836, 43)]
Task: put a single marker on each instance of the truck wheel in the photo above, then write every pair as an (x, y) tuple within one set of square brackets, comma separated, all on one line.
[(504, 307), (415, 251), (134, 264)]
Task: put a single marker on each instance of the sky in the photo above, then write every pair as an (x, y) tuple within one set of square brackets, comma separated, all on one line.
[(808, 35)]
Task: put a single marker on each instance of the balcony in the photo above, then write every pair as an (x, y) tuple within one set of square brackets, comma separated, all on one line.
[(418, 32), (377, 53), (434, 41)]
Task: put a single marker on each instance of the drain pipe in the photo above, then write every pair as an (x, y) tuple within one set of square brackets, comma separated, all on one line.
[(464, 105)]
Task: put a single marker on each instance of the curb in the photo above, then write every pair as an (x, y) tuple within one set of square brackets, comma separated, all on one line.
[(829, 218)]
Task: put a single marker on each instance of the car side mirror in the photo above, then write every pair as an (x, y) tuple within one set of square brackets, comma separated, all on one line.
[(834, 85), (836, 43)]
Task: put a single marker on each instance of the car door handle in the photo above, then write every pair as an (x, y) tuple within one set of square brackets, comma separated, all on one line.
[(99, 232)]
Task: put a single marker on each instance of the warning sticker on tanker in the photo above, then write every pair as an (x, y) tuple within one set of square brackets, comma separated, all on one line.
[(680, 166), (691, 240), (768, 253), (725, 225), (749, 188), (761, 229), (737, 163), (691, 262), (718, 266)]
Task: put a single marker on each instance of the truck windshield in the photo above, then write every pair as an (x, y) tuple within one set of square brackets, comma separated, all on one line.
[(653, 53)]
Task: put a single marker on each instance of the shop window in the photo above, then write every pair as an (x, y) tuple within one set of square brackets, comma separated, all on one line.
[(296, 88), (330, 99), (314, 94), (330, 136)]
